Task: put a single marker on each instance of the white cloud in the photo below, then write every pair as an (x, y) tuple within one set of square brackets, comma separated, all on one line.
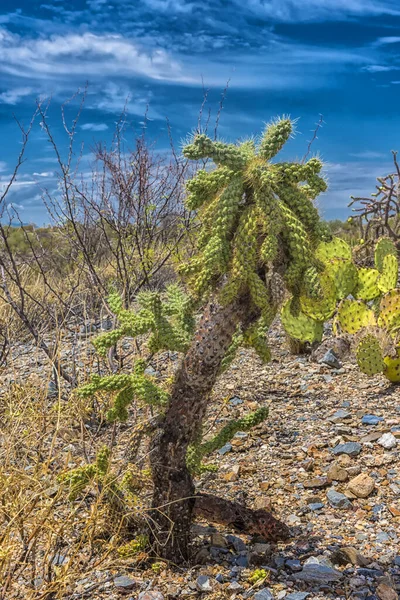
[(13, 96), (380, 68), (368, 154), (84, 55), (388, 40), (316, 10), (44, 174), (3, 166), (94, 126)]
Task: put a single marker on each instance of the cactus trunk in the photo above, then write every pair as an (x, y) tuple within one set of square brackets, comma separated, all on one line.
[(173, 499)]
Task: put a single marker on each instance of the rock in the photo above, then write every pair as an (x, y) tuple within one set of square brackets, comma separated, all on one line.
[(123, 582), (353, 471), (293, 564), (362, 485), (339, 416), (331, 359), (371, 573), (385, 592), (235, 586), (236, 542), (397, 561), (203, 583), (151, 595), (338, 500), (388, 441), (297, 596), (335, 473), (220, 578), (344, 556), (317, 482), (225, 449), (218, 541), (371, 420), (264, 594), (235, 401), (349, 448), (316, 573), (316, 506)]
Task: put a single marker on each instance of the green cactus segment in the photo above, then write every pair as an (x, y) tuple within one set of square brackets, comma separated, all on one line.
[(321, 308), (392, 370), (383, 247), (367, 287), (389, 312), (369, 355), (300, 327), (389, 275), (354, 315), (205, 185), (275, 136), (197, 452), (336, 248), (344, 275)]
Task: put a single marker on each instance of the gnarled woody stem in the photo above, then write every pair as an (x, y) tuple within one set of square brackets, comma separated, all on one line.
[(173, 498)]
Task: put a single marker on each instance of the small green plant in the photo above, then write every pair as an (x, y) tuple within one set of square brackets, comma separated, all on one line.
[(134, 547), (258, 575)]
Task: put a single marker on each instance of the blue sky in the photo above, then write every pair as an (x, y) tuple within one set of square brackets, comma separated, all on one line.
[(299, 57)]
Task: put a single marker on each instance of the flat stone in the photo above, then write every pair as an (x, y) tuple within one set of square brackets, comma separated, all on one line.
[(338, 500), (349, 448), (385, 592), (264, 594), (293, 564), (362, 485), (225, 449), (317, 482), (218, 541), (344, 556), (371, 420), (316, 573), (314, 506), (235, 401), (236, 542), (387, 441), (339, 416), (151, 595), (123, 582), (297, 596)]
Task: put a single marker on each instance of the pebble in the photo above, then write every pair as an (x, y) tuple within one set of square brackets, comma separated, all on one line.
[(349, 448), (317, 482), (387, 441), (362, 485), (225, 449), (338, 500), (293, 564), (297, 596), (331, 360), (203, 583), (264, 594), (339, 416), (235, 401), (385, 592), (237, 543), (371, 420), (151, 595), (336, 473), (123, 582), (316, 573)]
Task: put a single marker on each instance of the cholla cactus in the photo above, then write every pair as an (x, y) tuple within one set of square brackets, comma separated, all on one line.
[(257, 219), (369, 306)]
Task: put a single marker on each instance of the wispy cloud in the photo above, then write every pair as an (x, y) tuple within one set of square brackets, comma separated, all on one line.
[(15, 95), (320, 10), (83, 54), (94, 127)]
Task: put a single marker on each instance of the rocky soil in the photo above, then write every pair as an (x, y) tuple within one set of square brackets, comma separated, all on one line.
[(326, 462)]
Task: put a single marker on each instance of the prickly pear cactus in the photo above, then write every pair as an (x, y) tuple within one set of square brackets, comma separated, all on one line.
[(369, 355)]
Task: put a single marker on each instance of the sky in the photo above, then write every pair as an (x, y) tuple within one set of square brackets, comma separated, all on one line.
[(335, 58)]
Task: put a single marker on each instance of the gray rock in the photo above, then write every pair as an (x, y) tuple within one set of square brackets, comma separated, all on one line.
[(316, 506), (338, 500), (123, 582), (151, 595), (293, 564), (397, 561), (220, 578), (350, 448), (264, 594), (235, 586), (297, 596), (235, 401), (339, 416), (236, 542), (203, 583), (225, 449), (331, 360), (316, 573), (371, 420)]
